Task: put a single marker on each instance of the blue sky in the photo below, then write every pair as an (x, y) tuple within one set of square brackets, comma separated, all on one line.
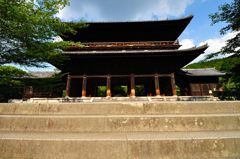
[(200, 28), (197, 33)]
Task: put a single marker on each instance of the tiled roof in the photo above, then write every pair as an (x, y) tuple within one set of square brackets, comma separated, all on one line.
[(203, 72), (41, 74)]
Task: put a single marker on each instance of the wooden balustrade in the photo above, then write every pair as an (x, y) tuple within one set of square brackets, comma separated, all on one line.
[(126, 45)]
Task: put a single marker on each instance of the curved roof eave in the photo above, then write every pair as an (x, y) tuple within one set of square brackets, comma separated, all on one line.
[(187, 18)]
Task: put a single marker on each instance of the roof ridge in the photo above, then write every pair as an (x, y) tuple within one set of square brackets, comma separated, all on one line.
[(199, 68), (139, 21)]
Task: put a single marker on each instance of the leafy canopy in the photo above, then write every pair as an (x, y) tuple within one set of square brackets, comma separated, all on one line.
[(225, 64), (229, 13), (11, 86), (28, 29), (11, 72)]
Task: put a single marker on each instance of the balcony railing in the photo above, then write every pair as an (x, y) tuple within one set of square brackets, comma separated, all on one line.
[(126, 45)]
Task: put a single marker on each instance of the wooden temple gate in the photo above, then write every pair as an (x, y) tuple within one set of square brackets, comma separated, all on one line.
[(114, 50)]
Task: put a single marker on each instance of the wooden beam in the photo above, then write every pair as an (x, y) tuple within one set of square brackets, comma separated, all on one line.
[(68, 86), (84, 87), (173, 84), (132, 81), (116, 76), (157, 87), (109, 94)]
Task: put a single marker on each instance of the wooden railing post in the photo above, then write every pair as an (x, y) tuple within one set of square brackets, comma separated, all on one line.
[(173, 84), (109, 94), (84, 86), (68, 86), (132, 81), (157, 87)]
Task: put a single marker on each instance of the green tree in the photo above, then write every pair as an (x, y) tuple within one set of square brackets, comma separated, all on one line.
[(10, 83), (28, 29), (229, 13)]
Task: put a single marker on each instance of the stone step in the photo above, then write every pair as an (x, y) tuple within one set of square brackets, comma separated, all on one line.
[(123, 108), (119, 123), (165, 145)]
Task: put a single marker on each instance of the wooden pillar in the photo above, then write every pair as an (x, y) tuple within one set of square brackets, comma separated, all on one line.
[(173, 84), (109, 94), (84, 86), (68, 86), (157, 87), (132, 81)]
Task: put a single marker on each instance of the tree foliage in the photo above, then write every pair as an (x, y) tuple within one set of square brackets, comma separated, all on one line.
[(230, 14), (225, 64), (28, 29), (10, 83)]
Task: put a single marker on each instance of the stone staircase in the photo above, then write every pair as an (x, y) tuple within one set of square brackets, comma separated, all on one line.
[(120, 130)]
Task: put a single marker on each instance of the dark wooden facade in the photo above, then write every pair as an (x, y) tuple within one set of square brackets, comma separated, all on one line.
[(133, 55), (198, 82)]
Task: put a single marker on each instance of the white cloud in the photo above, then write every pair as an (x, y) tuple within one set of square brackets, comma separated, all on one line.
[(186, 43), (102, 10), (215, 45)]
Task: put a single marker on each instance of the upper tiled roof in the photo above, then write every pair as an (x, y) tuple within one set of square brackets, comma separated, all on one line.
[(203, 72), (162, 30)]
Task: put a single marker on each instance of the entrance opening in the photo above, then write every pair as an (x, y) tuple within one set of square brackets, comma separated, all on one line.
[(120, 86), (76, 87), (165, 86), (140, 90), (120, 91), (94, 85), (145, 86), (101, 91)]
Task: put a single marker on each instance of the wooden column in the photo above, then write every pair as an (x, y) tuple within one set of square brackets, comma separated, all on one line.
[(84, 87), (173, 84), (157, 87), (68, 86), (109, 94), (132, 81)]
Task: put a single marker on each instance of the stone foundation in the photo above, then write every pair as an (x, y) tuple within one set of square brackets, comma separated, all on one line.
[(120, 130), (116, 99)]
